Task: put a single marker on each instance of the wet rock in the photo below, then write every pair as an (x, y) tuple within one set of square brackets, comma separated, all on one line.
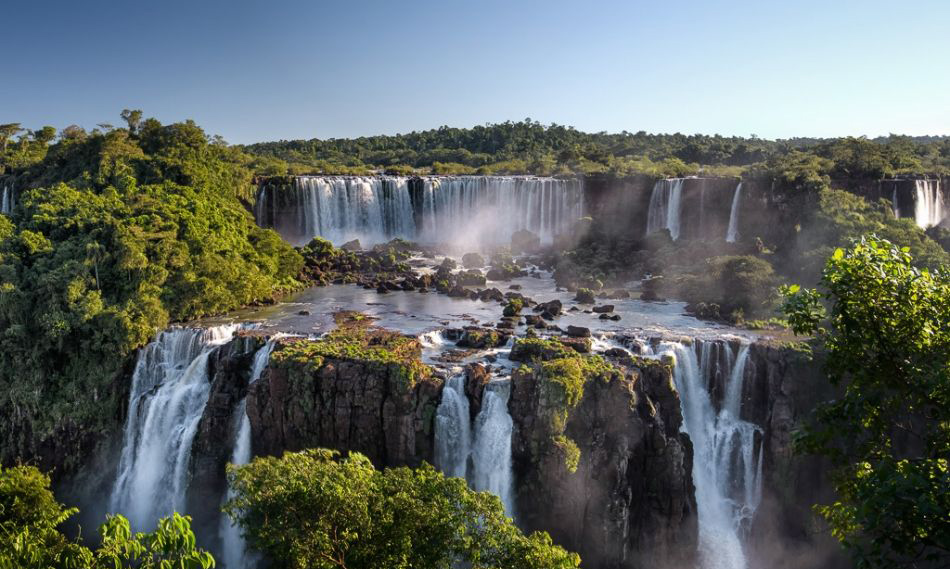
[(303, 312), (514, 287), (609, 316), (473, 261), (447, 264), (584, 296), (353, 245), (472, 277), (578, 332), (392, 286), (651, 296), (491, 294), (573, 309), (619, 294), (381, 289), (532, 319), (407, 285), (579, 345), (481, 338), (604, 308), (458, 292), (553, 307)]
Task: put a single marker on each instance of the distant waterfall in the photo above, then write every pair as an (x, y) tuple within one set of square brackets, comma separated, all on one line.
[(928, 207), (170, 387), (491, 451), (487, 447), (339, 208), (727, 462), (233, 546), (453, 438), (473, 210), (665, 205), (466, 211), (732, 234), (7, 200)]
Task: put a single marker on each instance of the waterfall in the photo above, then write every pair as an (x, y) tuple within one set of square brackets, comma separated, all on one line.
[(487, 445), (465, 211), (491, 451), (468, 211), (170, 387), (665, 205), (7, 200), (895, 205), (733, 232), (233, 547), (928, 209), (453, 439), (727, 462)]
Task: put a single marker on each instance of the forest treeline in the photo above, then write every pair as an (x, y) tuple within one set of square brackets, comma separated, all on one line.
[(115, 234), (528, 147)]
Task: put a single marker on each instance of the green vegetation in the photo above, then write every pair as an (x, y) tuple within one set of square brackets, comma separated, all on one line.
[(395, 518), (530, 147), (116, 233), (30, 538), (391, 354), (514, 306), (562, 374), (887, 435)]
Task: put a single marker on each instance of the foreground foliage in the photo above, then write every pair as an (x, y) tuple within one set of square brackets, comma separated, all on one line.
[(395, 518), (887, 435), (30, 537)]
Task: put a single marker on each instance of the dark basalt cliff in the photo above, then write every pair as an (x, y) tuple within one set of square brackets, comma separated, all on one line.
[(629, 502), (348, 404)]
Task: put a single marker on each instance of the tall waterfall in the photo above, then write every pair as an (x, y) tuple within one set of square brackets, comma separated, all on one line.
[(170, 388), (664, 210), (473, 210), (727, 462), (481, 454), (453, 437), (928, 208), (466, 211), (7, 200), (732, 233), (233, 546), (491, 451)]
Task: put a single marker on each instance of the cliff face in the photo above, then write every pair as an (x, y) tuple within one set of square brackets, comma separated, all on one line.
[(629, 503), (782, 388), (344, 403)]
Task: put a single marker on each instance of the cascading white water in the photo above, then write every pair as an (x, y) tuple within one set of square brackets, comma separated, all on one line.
[(732, 233), (928, 208), (233, 546), (727, 463), (481, 454), (491, 451), (665, 205), (464, 211), (342, 208), (170, 388), (7, 200), (468, 211), (453, 438)]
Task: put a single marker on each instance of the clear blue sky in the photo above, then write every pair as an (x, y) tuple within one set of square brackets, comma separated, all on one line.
[(269, 70)]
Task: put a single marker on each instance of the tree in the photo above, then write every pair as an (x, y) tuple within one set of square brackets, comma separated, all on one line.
[(30, 538), (133, 118), (8, 131), (396, 518), (887, 336)]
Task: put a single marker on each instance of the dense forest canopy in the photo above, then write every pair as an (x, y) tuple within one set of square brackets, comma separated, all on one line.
[(530, 147), (115, 234)]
